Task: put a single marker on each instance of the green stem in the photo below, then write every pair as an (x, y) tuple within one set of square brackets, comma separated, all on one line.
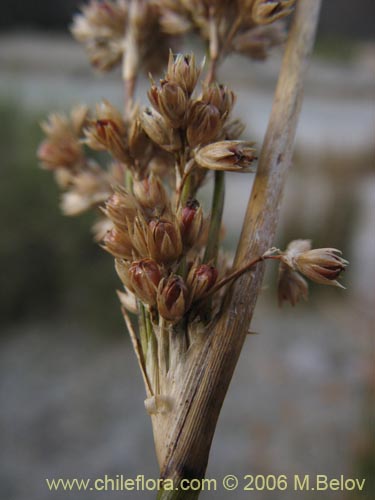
[(217, 208)]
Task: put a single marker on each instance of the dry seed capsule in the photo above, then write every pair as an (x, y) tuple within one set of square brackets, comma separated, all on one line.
[(201, 279), (108, 132), (138, 235), (219, 96), (164, 241), (118, 243), (172, 298), (268, 11), (150, 192), (172, 103), (204, 123), (183, 71), (191, 220), (158, 131), (63, 153), (144, 277), (322, 265), (121, 208), (227, 155)]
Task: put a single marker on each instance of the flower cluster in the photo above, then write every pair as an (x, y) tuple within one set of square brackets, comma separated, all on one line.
[(152, 223), (247, 27), (142, 31), (112, 29), (321, 265), (200, 127), (149, 241), (158, 234), (154, 226), (84, 182)]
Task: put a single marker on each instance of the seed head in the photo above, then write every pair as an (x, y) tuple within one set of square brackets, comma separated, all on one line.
[(121, 208), (108, 132), (150, 193), (236, 156), (138, 234), (183, 71), (322, 265), (143, 277), (219, 96), (268, 11), (164, 241), (200, 280), (170, 101), (62, 147), (67, 153), (172, 298), (158, 131), (118, 243), (204, 123), (191, 222), (100, 28)]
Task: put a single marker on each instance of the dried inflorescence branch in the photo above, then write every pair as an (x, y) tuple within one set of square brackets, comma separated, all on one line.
[(321, 265), (113, 29), (167, 252)]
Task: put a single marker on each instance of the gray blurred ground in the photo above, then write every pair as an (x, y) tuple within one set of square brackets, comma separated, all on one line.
[(72, 403)]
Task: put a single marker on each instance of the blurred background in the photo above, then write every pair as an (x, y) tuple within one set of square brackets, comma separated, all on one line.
[(301, 400)]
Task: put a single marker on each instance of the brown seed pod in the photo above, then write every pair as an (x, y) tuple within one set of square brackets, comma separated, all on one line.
[(143, 278), (118, 243), (172, 298), (150, 193), (203, 123), (200, 280), (236, 156), (164, 241), (183, 70), (191, 222)]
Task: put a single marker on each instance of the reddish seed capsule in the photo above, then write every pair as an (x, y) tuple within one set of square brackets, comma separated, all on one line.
[(191, 222), (201, 279), (117, 242), (144, 278), (164, 241), (172, 298)]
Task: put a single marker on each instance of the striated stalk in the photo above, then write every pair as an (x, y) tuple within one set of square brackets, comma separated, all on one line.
[(188, 429)]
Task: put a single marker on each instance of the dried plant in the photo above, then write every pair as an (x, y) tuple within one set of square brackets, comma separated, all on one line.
[(191, 312)]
